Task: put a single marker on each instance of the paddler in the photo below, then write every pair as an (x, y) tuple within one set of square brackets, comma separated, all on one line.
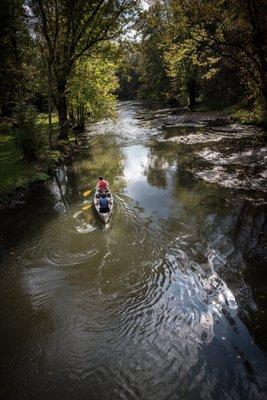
[(104, 203), (102, 185)]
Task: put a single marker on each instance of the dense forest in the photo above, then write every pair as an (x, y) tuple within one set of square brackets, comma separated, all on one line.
[(63, 63), (201, 52)]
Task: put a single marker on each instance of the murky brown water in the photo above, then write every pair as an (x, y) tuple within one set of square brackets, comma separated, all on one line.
[(166, 302)]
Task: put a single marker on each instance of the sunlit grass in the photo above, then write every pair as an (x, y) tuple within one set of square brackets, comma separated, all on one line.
[(42, 122), (42, 119), (14, 171)]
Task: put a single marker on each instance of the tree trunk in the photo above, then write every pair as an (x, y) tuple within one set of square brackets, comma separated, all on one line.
[(81, 127), (265, 102), (62, 111), (80, 119), (29, 153), (49, 107), (263, 89), (71, 116), (191, 87)]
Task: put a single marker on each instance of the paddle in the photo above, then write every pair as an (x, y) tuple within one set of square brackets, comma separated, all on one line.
[(87, 207), (85, 194)]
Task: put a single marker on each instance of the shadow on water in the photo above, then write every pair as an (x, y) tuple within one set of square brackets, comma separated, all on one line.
[(165, 302)]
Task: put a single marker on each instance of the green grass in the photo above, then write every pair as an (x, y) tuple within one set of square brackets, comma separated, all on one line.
[(42, 123), (47, 156), (14, 171), (42, 119)]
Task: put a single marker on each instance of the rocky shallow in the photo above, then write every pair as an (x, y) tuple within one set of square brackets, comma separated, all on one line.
[(228, 154)]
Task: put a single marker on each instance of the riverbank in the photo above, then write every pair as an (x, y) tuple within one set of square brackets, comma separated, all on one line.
[(245, 116), (17, 175), (227, 153)]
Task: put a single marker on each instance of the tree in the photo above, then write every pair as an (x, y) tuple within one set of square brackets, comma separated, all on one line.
[(14, 43), (91, 87), (68, 30), (152, 70), (183, 69), (232, 30), (127, 73), (27, 136)]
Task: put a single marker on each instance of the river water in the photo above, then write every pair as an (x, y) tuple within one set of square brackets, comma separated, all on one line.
[(165, 302)]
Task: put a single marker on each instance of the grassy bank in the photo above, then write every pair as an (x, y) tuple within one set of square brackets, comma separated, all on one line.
[(16, 174)]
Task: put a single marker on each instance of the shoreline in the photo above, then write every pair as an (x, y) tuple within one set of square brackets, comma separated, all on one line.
[(43, 174)]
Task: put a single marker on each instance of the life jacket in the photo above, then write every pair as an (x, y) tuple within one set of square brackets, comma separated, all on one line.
[(103, 202)]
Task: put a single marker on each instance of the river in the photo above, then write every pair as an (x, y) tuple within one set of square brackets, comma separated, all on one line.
[(165, 302)]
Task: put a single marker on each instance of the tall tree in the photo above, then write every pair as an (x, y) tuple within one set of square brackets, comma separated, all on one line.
[(91, 87), (127, 70), (68, 30), (14, 41), (152, 69), (233, 30)]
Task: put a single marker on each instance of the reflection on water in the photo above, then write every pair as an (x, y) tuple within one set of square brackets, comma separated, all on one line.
[(147, 308)]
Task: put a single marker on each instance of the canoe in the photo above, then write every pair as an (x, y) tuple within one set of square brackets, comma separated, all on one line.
[(104, 216)]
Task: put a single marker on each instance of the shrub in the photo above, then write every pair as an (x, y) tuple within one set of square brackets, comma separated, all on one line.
[(27, 137)]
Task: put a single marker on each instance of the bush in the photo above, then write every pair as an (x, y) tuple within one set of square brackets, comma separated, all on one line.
[(27, 137), (255, 115), (38, 177), (5, 126)]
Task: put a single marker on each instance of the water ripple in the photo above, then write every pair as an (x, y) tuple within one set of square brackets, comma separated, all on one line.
[(59, 256)]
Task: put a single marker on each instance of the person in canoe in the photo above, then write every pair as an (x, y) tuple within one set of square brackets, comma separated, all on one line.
[(102, 185), (104, 203)]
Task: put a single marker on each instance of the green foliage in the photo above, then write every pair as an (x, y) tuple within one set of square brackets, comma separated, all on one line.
[(68, 31), (91, 89), (38, 177), (127, 74), (5, 126), (42, 120), (182, 68), (151, 66), (20, 64), (153, 79), (27, 136), (225, 41), (246, 116), (210, 52), (14, 171)]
